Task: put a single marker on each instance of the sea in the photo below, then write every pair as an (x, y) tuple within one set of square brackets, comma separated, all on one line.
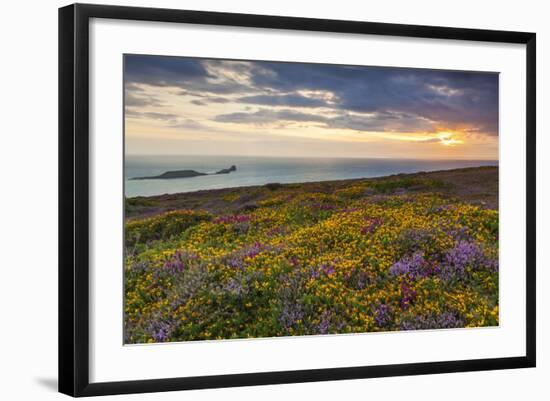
[(264, 170)]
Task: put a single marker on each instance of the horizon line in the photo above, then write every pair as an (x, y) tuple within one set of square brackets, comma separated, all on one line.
[(303, 157)]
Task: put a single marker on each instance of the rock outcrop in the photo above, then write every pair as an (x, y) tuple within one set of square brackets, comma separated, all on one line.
[(184, 174)]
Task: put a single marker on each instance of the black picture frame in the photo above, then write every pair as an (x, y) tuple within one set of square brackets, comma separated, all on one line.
[(74, 198)]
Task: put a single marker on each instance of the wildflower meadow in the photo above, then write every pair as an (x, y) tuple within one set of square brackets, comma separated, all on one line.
[(370, 255)]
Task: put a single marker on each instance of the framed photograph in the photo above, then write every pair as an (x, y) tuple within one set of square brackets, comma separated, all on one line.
[(249, 199)]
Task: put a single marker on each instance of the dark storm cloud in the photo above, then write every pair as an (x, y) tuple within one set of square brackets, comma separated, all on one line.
[(363, 98)]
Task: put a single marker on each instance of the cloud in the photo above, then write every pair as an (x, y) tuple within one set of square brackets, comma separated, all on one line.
[(162, 71), (197, 102), (447, 96), (189, 74), (289, 100), (218, 100), (382, 122), (362, 98), (206, 100), (152, 115), (385, 121), (430, 140), (133, 100), (265, 116), (188, 124)]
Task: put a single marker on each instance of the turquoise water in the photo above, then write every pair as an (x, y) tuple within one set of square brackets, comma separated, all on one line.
[(263, 170)]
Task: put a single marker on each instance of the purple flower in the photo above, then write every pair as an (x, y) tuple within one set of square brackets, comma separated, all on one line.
[(382, 315), (236, 263), (408, 295), (466, 255), (237, 258), (253, 251), (328, 269), (179, 261), (275, 231), (460, 233), (235, 287), (174, 266), (294, 261), (357, 278), (290, 315), (492, 265), (400, 191), (159, 330), (140, 267), (324, 325), (444, 320), (323, 206), (160, 335), (314, 273), (372, 223), (442, 208), (350, 210), (231, 219), (412, 266), (325, 268)]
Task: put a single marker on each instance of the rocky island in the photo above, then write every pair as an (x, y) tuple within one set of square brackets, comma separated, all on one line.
[(185, 174)]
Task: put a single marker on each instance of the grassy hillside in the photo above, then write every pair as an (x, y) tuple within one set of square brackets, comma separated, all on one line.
[(404, 252)]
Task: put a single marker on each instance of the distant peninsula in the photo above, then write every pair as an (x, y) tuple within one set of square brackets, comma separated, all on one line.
[(184, 174)]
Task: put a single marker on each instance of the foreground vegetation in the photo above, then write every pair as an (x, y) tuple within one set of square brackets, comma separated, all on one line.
[(400, 253)]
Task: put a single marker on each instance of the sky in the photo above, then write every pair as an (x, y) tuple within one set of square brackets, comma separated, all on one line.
[(194, 106)]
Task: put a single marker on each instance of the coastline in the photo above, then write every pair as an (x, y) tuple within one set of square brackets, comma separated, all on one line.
[(471, 184), (260, 171)]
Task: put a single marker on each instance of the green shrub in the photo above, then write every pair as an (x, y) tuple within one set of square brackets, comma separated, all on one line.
[(162, 226)]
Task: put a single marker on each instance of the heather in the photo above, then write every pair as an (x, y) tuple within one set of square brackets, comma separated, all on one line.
[(398, 253)]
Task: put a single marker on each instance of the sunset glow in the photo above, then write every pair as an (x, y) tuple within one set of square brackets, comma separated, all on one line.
[(176, 105)]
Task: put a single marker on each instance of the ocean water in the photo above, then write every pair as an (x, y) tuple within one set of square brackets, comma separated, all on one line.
[(263, 170)]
